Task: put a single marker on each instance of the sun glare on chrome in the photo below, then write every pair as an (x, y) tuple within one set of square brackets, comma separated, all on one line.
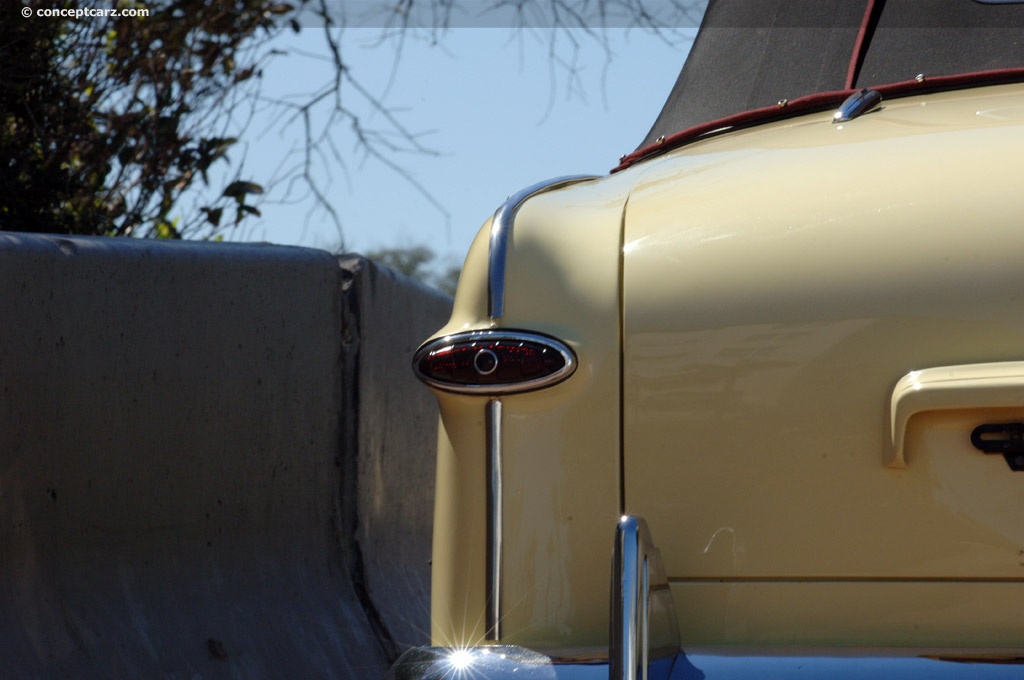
[(460, 659)]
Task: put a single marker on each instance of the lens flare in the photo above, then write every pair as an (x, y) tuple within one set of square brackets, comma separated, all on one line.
[(460, 659)]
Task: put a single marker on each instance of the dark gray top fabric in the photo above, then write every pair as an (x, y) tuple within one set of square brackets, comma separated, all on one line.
[(753, 53)]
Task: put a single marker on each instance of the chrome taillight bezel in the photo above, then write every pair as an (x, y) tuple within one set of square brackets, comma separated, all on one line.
[(491, 337)]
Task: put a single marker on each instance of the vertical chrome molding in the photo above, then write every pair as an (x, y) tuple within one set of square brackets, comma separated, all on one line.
[(494, 520), (501, 230), (643, 616)]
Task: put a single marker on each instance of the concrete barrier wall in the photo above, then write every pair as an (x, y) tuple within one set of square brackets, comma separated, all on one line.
[(194, 462), (396, 437)]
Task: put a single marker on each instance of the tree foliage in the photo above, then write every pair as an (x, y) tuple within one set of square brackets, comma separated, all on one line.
[(107, 121), (420, 263)]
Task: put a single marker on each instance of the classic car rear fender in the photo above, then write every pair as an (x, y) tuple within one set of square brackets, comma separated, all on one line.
[(528, 481)]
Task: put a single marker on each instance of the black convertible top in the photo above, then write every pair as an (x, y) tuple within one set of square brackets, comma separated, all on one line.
[(751, 54)]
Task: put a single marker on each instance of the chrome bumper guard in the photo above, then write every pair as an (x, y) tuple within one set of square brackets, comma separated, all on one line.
[(644, 636)]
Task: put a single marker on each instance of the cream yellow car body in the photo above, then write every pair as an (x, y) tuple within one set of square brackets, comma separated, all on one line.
[(779, 283), (749, 313)]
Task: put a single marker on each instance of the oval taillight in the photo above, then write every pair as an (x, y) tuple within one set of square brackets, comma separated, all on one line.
[(493, 362)]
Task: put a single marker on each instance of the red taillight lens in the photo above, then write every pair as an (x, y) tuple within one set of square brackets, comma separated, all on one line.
[(494, 362)]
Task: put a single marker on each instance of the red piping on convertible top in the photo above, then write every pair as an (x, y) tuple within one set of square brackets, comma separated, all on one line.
[(817, 102), (860, 47)]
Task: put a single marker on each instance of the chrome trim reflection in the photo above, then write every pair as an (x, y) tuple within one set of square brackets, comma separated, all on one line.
[(501, 230), (497, 662), (494, 521), (568, 356), (643, 621), (492, 360)]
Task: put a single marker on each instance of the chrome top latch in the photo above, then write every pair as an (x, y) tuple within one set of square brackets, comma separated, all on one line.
[(857, 104)]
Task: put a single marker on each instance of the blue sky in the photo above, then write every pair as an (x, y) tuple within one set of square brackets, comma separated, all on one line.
[(500, 113)]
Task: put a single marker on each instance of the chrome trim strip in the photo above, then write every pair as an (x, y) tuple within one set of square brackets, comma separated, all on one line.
[(501, 230), (643, 615), (494, 521), (568, 356)]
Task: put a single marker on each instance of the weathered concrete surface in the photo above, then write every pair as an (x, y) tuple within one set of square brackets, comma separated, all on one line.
[(176, 476), (396, 465)]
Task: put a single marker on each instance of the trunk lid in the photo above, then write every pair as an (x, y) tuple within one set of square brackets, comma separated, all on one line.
[(778, 283)]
